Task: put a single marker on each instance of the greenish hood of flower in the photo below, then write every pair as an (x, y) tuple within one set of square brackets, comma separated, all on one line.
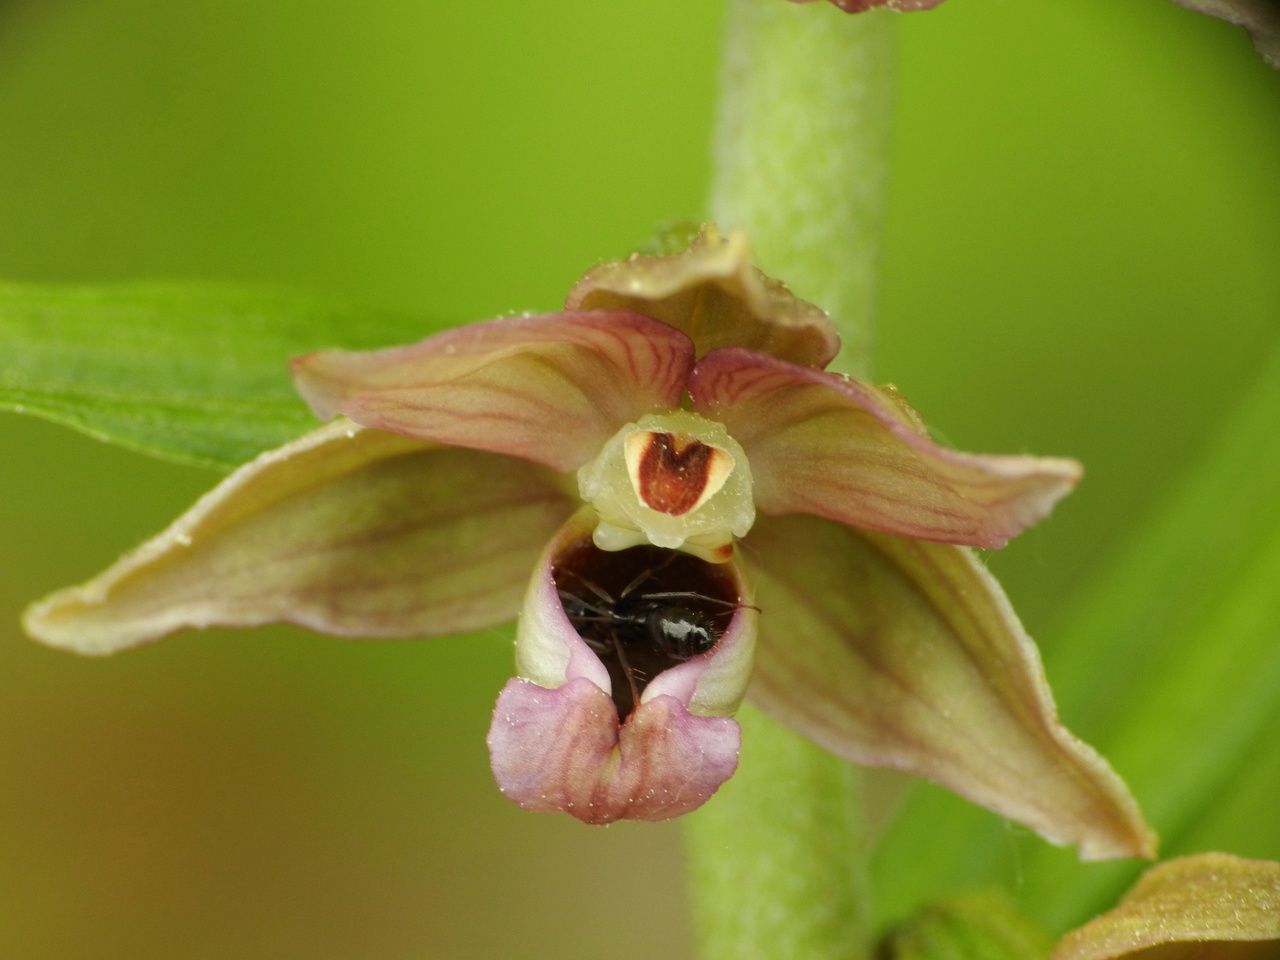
[(675, 480)]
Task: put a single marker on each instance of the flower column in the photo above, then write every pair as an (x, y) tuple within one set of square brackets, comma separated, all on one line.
[(777, 861)]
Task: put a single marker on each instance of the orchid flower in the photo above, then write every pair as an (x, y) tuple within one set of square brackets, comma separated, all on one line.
[(681, 507)]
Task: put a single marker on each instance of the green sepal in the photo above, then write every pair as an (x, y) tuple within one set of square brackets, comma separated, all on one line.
[(1169, 666)]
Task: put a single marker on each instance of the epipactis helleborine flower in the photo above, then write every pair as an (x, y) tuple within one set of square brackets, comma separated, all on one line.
[(692, 492)]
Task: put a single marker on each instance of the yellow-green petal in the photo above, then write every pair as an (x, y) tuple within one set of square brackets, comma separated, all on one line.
[(347, 531), (905, 654)]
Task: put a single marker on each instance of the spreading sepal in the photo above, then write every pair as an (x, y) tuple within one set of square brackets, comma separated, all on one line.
[(347, 531), (906, 654)]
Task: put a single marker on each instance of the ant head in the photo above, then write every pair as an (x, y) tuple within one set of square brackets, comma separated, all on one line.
[(680, 632)]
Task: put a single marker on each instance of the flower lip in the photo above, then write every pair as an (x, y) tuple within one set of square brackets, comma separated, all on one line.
[(644, 610)]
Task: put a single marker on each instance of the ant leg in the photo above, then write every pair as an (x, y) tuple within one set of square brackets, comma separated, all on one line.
[(601, 612), (596, 644), (628, 670)]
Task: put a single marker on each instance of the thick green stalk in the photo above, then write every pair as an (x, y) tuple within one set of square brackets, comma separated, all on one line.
[(777, 858), (800, 152)]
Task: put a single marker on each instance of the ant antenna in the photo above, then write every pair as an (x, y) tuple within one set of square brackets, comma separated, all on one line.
[(591, 585), (645, 574), (694, 595)]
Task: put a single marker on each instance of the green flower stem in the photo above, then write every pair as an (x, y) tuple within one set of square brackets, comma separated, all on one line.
[(800, 152), (777, 858)]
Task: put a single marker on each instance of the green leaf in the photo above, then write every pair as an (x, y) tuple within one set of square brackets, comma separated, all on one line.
[(1170, 666), (979, 926), (193, 373)]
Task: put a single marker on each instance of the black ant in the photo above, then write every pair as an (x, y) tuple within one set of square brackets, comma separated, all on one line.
[(639, 633)]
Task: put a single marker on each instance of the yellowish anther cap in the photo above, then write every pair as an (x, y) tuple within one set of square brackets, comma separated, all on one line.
[(675, 480)]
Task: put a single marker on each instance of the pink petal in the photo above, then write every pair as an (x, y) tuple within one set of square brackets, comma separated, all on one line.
[(1214, 905), (348, 531), (712, 292), (906, 654), (823, 444), (563, 750), (550, 388)]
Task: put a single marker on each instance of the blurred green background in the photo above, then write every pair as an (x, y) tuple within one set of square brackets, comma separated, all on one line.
[(1082, 257)]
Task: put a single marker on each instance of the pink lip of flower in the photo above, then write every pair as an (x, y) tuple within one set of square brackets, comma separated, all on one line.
[(881, 637)]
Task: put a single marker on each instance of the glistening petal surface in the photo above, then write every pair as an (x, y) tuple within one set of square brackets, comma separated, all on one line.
[(348, 531), (906, 654), (714, 294), (550, 388), (823, 444)]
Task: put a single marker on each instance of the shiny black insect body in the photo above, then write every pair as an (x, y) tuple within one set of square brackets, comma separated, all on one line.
[(641, 628), (654, 618)]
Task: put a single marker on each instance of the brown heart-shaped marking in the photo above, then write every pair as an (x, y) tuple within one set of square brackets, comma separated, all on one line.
[(673, 472)]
